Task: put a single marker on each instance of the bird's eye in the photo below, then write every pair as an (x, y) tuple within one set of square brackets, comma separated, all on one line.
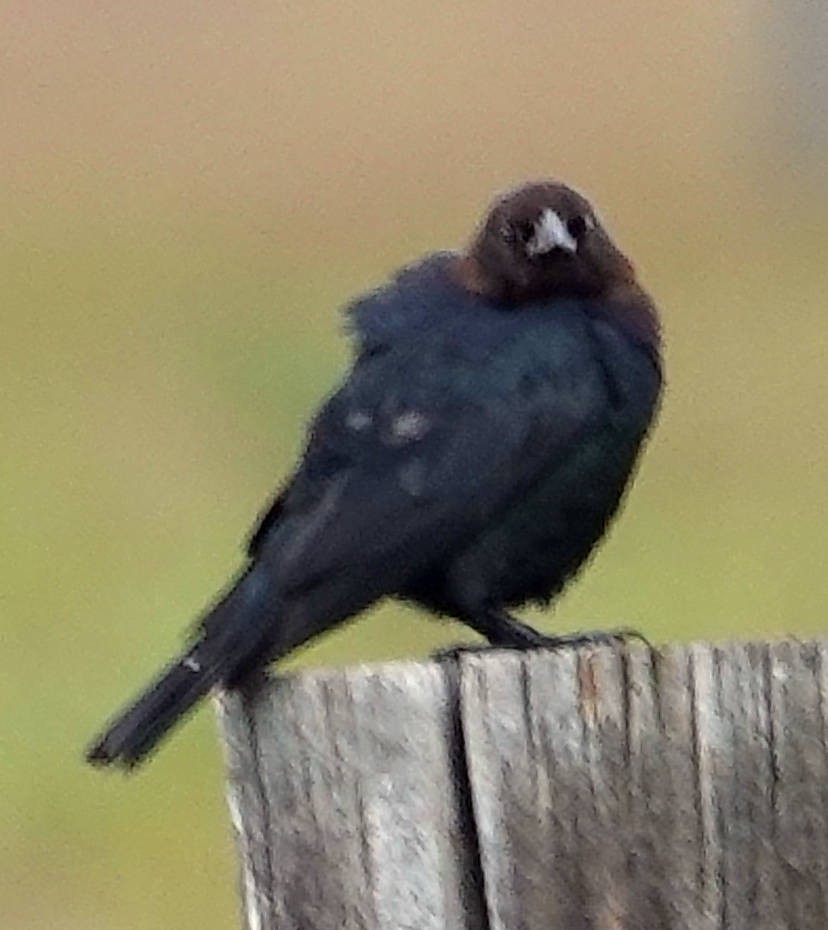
[(578, 225), (525, 231)]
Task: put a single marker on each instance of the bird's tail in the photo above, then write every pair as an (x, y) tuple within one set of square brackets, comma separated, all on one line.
[(232, 634), (138, 729)]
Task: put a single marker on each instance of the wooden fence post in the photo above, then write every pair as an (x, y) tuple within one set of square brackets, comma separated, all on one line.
[(599, 789)]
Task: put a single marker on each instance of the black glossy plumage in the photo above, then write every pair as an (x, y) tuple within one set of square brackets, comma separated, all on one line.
[(522, 430), (469, 462)]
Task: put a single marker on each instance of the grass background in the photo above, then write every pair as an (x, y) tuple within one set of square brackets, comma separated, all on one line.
[(189, 191)]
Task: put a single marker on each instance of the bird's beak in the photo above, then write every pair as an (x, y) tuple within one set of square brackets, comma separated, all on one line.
[(550, 233)]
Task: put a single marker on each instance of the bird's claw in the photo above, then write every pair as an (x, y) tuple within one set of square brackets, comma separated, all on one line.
[(618, 637), (454, 653)]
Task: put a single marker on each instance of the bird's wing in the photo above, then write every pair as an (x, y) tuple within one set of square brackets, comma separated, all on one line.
[(409, 458), (268, 518)]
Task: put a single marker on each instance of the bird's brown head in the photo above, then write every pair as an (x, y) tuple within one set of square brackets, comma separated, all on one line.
[(542, 240)]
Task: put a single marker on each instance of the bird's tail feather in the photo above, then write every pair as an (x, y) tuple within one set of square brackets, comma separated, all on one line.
[(232, 633), (137, 730)]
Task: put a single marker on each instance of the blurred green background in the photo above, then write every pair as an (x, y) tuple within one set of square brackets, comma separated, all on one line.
[(190, 190)]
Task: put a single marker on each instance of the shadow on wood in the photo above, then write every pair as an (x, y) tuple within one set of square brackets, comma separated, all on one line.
[(598, 789)]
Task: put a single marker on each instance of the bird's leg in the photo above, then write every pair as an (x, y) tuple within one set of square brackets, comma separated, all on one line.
[(503, 631)]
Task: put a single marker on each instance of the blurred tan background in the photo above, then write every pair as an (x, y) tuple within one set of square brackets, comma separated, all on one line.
[(188, 191)]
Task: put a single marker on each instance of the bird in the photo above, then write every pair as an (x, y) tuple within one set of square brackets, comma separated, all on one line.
[(468, 463)]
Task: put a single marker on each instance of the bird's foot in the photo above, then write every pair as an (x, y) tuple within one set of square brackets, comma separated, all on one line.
[(453, 653), (531, 639), (591, 638)]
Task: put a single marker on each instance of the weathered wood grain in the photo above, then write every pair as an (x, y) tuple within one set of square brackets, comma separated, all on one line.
[(343, 793), (599, 789)]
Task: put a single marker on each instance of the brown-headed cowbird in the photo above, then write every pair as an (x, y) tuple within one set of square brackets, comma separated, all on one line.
[(469, 462)]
